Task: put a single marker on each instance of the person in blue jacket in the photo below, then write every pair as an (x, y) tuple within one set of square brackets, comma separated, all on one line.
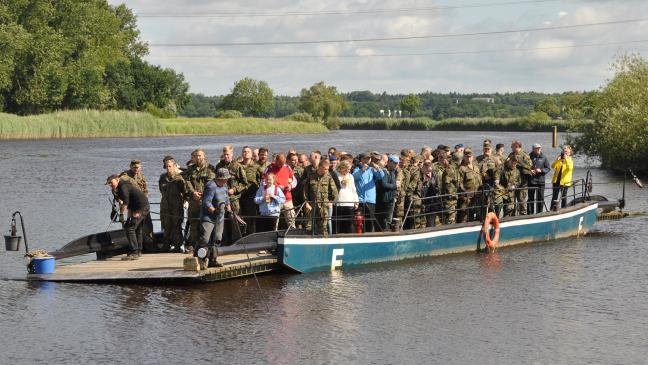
[(540, 167), (366, 175), (215, 201), (269, 197)]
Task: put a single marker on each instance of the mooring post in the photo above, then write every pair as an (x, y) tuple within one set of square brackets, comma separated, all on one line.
[(554, 139)]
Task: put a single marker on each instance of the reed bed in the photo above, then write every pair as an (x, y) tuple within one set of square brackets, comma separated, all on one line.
[(214, 126), (80, 124), (454, 124)]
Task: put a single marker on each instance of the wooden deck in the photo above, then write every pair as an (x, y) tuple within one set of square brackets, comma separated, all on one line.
[(163, 267)]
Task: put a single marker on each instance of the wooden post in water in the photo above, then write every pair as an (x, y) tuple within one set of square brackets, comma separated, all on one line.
[(554, 139)]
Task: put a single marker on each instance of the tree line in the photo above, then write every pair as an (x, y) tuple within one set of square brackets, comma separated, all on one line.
[(366, 104), (74, 54)]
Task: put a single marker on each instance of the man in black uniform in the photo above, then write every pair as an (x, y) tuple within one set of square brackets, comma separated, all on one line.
[(135, 202)]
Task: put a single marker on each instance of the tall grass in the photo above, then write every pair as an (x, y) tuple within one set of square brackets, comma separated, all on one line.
[(213, 126), (80, 124), (454, 124)]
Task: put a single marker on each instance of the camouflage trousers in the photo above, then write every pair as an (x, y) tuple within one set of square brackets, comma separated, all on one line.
[(521, 200), (468, 208), (171, 222), (318, 218), (509, 204), (450, 207), (193, 220)]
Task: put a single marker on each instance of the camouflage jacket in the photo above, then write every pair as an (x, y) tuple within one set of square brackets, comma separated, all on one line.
[(173, 191), (136, 180), (470, 177), (238, 179), (320, 189), (523, 162), (197, 177), (253, 175), (510, 179), (490, 170), (451, 181)]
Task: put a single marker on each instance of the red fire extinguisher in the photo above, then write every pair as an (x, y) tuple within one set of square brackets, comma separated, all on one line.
[(358, 223)]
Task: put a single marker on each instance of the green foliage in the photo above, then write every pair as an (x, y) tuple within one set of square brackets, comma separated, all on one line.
[(80, 124), (455, 124), (322, 102), (229, 114), (159, 112), (411, 103), (549, 106), (250, 97), (71, 54), (538, 117), (619, 135), (301, 117), (211, 126)]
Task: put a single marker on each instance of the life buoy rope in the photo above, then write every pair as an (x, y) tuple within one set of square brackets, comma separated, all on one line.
[(491, 219)]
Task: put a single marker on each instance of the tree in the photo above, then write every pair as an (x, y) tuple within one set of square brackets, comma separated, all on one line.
[(619, 135), (549, 106), (61, 54), (322, 102), (411, 104), (250, 97)]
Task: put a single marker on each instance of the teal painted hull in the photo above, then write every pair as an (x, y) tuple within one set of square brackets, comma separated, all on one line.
[(308, 254)]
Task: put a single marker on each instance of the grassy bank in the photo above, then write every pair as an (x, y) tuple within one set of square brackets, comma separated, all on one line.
[(79, 124), (105, 124), (454, 124), (213, 126)]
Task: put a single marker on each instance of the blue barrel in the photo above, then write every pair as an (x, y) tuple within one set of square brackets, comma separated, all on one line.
[(44, 265)]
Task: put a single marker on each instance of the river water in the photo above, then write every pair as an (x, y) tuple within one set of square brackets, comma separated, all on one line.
[(580, 300)]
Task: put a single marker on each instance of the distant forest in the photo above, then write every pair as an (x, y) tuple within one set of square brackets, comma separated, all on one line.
[(367, 104)]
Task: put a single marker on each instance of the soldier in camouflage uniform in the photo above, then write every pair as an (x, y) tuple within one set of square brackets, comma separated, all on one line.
[(196, 177), (402, 191), (237, 184), (319, 192), (135, 176), (253, 175), (172, 189), (524, 166), (412, 198), (451, 184), (471, 180), (491, 171), (509, 180), (298, 172)]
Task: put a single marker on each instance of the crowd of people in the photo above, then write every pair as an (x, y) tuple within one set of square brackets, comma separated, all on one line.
[(336, 192)]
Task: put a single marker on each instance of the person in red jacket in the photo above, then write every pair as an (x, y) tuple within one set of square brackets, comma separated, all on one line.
[(285, 180)]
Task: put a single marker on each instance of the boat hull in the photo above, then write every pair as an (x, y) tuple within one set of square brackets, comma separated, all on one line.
[(309, 254)]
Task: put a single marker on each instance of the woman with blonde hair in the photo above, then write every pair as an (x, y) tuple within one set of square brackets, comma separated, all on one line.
[(347, 200), (563, 166)]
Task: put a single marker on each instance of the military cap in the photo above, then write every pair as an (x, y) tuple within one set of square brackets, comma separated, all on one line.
[(111, 177), (364, 155), (222, 174), (374, 154), (487, 146), (457, 157), (446, 148), (404, 152), (135, 163), (418, 158), (468, 152)]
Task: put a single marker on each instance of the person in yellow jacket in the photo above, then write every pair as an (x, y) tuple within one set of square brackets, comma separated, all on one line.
[(563, 166)]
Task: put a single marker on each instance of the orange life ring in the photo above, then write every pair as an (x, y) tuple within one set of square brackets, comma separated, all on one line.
[(491, 218)]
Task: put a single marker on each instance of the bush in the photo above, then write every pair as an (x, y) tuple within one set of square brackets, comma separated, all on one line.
[(229, 114), (158, 112), (301, 117)]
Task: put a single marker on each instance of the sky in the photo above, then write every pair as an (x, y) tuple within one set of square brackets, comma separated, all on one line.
[(484, 63)]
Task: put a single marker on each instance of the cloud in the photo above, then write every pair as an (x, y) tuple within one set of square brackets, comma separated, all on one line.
[(213, 70)]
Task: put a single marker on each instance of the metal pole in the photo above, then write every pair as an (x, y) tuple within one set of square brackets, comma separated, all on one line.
[(22, 225)]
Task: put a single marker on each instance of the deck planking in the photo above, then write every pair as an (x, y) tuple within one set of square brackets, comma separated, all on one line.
[(158, 267)]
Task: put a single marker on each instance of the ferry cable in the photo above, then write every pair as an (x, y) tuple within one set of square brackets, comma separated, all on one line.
[(240, 14), (265, 301), (414, 54), (401, 38)]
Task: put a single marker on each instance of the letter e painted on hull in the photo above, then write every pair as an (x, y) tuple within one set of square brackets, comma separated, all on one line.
[(334, 259)]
